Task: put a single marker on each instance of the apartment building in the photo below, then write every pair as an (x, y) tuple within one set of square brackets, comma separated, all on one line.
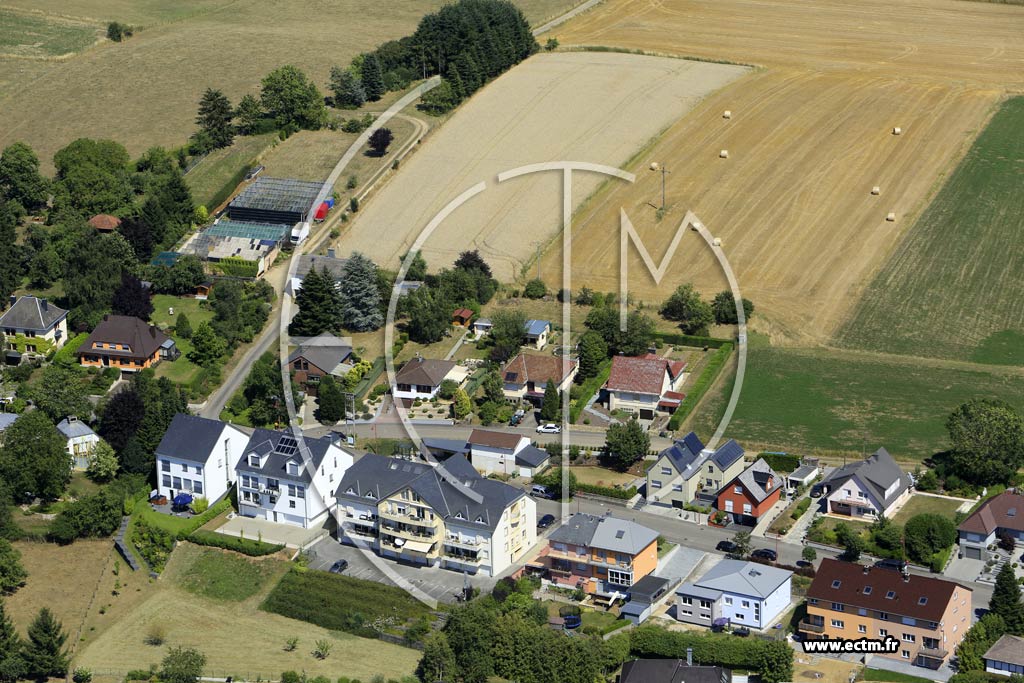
[(606, 554), (928, 616), (198, 456), (443, 515), (282, 480)]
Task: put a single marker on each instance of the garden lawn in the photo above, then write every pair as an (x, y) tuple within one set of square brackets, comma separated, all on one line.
[(214, 178), (224, 575), (892, 676), (599, 476), (920, 504), (182, 370)]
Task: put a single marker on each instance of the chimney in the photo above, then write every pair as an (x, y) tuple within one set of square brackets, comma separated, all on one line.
[(13, 299), (867, 568), (152, 332), (330, 253), (44, 304), (689, 656)]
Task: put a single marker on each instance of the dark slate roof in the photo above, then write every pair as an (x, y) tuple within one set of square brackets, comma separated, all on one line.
[(281, 447), (73, 428), (381, 477), (424, 371), (190, 438), (606, 533), (325, 351), (446, 445), (727, 454), (671, 671), (142, 338), (684, 451), (760, 480), (649, 585), (335, 266), (877, 473), (31, 313), (7, 419), (531, 456)]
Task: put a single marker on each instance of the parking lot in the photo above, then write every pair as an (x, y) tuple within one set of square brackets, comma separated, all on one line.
[(440, 584)]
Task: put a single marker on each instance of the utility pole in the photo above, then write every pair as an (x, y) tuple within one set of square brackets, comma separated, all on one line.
[(655, 166)]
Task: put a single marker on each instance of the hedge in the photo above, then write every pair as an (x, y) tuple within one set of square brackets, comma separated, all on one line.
[(234, 266), (781, 462), (700, 387), (622, 494), (588, 388), (751, 654), (66, 354), (246, 546), (199, 520), (678, 339), (801, 508)]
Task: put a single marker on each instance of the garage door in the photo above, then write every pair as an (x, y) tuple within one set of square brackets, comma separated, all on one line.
[(972, 553), (292, 519)]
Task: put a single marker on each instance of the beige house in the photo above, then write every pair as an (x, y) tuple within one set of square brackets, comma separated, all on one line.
[(687, 470), (527, 375), (33, 325), (644, 385)]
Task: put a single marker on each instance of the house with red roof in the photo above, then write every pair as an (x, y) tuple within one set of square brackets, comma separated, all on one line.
[(526, 376), (999, 515), (645, 385), (751, 494)]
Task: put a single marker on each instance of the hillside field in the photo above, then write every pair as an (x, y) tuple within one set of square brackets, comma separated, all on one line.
[(144, 91), (595, 107), (953, 288)]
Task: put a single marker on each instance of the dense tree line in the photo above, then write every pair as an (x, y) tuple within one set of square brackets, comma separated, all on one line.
[(695, 315), (352, 302), (134, 420)]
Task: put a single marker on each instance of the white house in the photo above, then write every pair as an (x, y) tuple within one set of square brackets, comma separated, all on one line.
[(505, 453), (198, 456), (444, 516), (420, 378), (645, 384), (536, 333), (81, 440), (737, 593), (33, 325), (283, 480), (867, 488)]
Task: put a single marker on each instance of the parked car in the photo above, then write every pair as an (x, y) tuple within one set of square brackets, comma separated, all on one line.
[(898, 565), (765, 554), (816, 491), (804, 563), (338, 567), (549, 428), (516, 418), (541, 491), (545, 521), (726, 546), (742, 632)]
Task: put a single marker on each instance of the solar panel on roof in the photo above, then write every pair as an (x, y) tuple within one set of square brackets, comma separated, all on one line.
[(287, 445)]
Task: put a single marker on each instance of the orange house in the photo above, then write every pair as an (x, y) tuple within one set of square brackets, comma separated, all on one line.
[(126, 343), (924, 617), (751, 494), (605, 555)]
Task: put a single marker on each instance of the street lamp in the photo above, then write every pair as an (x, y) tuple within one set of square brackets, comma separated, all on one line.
[(655, 166)]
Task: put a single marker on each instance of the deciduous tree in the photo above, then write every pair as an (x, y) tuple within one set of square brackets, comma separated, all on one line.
[(380, 139), (330, 401), (20, 179), (686, 307), (103, 463), (292, 100), (724, 307), (182, 665), (508, 327), (429, 316), (61, 394), (207, 346), (34, 459), (987, 438), (461, 405), (626, 443)]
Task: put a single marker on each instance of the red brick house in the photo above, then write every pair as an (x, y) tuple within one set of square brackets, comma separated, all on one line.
[(751, 494), (317, 357)]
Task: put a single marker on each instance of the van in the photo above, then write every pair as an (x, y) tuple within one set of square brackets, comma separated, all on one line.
[(540, 491)]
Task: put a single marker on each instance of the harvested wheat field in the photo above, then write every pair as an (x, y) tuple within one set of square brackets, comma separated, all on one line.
[(595, 107), (809, 136), (144, 91)]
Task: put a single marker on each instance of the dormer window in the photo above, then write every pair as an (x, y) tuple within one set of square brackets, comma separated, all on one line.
[(922, 600), (479, 519), (293, 468), (458, 515), (350, 490), (867, 590), (254, 461), (369, 494)]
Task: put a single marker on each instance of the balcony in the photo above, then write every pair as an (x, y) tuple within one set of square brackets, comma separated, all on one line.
[(932, 652), (409, 531), (409, 518), (459, 542), (568, 555), (360, 530), (811, 627), (472, 560)]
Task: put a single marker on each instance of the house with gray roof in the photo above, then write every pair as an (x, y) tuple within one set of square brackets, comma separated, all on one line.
[(198, 456), (536, 333), (606, 554), (686, 471), (80, 439), (1006, 656), (320, 356), (751, 494), (440, 515), (6, 420), (33, 325), (420, 378), (288, 478), (735, 593), (506, 453), (868, 488)]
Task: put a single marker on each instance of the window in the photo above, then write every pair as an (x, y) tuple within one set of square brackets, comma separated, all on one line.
[(165, 465), (620, 578), (711, 468), (184, 468), (867, 590), (890, 595), (906, 654), (254, 461), (922, 600), (837, 623), (655, 484), (862, 612), (199, 469), (197, 486), (291, 492), (728, 506), (677, 487), (883, 632), (746, 604), (746, 508), (837, 583), (686, 601), (861, 628), (737, 489), (167, 480), (705, 604), (291, 504), (177, 482), (666, 470), (293, 468), (838, 606), (728, 601), (884, 616), (909, 638)]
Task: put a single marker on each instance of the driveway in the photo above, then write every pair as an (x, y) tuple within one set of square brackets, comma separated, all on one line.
[(440, 584), (269, 532)]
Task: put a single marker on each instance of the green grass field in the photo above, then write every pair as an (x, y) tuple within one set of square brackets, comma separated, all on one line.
[(210, 179), (181, 370), (920, 505), (224, 575), (37, 37), (828, 401), (953, 287)]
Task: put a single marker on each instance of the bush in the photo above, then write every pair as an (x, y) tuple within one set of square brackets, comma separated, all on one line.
[(200, 505), (535, 289), (246, 546), (290, 677), (781, 462), (801, 508), (773, 659), (156, 635)]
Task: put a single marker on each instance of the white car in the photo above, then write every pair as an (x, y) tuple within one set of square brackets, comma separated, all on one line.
[(549, 428)]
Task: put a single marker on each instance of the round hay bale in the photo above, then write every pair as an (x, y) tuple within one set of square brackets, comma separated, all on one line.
[(724, 154), (876, 190), (891, 216), (727, 114), (897, 130), (717, 241)]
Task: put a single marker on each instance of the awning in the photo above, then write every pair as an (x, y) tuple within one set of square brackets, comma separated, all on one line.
[(417, 546)]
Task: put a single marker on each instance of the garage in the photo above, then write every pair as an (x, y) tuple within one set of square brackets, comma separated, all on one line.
[(972, 553)]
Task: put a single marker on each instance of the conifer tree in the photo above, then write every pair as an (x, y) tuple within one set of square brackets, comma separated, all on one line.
[(347, 88), (214, 118), (361, 308), (43, 651), (1006, 600), (12, 666), (330, 400), (373, 78), (319, 305)]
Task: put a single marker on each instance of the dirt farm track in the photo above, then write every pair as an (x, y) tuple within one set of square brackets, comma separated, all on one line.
[(810, 135)]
